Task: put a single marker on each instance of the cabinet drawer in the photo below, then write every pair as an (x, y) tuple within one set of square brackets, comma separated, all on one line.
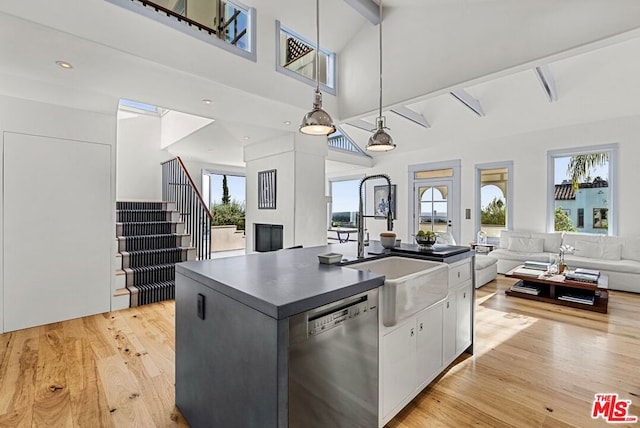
[(459, 273)]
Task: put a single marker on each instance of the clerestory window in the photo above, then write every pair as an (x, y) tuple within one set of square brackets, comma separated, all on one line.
[(296, 57), (227, 24)]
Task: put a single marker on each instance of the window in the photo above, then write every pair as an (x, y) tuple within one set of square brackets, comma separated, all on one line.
[(226, 24), (344, 202), (493, 199), (580, 223), (296, 57), (582, 181)]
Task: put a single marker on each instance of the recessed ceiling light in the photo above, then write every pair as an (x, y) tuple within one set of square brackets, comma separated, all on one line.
[(287, 122), (246, 137), (64, 64), (207, 101)]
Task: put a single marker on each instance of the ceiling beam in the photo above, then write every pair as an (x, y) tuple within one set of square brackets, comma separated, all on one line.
[(545, 77), (413, 116), (366, 8), (470, 102), (362, 124)]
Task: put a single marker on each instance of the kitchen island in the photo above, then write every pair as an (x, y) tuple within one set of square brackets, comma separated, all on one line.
[(232, 329)]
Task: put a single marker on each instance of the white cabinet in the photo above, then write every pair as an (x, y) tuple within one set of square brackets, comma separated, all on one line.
[(449, 329), (429, 344), (399, 354), (411, 356), (416, 351), (458, 311), (464, 300)]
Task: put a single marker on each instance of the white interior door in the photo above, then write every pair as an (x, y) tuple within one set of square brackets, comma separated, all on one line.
[(433, 206), (58, 230)]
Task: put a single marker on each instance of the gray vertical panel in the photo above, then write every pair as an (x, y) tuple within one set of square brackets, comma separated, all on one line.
[(226, 364)]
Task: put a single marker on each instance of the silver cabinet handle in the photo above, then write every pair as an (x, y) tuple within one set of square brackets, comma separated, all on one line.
[(412, 332), (458, 274), (464, 295), (447, 305), (420, 326)]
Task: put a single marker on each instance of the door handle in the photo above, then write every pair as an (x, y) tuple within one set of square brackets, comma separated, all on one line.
[(412, 332), (420, 326)]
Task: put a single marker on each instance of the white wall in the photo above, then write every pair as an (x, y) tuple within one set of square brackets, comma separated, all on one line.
[(138, 170), (479, 47), (176, 125), (528, 153), (301, 206), (86, 129)]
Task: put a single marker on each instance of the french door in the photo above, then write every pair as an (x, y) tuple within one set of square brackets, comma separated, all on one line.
[(433, 206)]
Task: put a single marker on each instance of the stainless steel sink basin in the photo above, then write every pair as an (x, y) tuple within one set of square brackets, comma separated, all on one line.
[(410, 285)]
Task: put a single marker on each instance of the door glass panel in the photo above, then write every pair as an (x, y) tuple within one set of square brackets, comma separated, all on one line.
[(434, 209)]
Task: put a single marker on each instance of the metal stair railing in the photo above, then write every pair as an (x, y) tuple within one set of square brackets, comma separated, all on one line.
[(178, 187)]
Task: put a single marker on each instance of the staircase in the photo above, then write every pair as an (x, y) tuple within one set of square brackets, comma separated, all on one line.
[(150, 241)]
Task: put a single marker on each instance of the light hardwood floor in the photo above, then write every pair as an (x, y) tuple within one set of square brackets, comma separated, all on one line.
[(535, 365)]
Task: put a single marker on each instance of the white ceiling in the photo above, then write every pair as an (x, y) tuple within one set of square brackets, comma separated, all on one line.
[(119, 54)]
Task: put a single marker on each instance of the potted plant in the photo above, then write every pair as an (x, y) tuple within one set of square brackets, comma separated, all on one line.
[(565, 248)]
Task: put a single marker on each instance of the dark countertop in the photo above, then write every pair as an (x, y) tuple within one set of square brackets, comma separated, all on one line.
[(283, 283)]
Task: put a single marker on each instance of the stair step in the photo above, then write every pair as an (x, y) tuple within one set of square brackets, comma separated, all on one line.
[(150, 274), (152, 242), (152, 292), (145, 205), (132, 259), (145, 216), (149, 228)]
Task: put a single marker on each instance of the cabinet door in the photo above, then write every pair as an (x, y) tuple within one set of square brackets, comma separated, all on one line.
[(429, 343), (398, 360), (464, 300), (449, 328)]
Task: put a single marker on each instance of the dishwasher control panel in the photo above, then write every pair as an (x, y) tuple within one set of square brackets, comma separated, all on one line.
[(324, 321)]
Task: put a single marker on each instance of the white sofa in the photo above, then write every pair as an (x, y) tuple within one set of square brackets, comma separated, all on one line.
[(617, 257)]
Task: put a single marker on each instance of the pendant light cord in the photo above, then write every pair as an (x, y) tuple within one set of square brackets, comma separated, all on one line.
[(317, 45), (380, 53)]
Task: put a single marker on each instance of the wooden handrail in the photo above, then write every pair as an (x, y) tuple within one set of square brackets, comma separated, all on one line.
[(195, 188)]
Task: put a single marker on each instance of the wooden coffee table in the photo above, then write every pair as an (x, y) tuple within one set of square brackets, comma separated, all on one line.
[(552, 287)]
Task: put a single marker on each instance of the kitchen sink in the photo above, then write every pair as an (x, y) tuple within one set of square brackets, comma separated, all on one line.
[(409, 286)]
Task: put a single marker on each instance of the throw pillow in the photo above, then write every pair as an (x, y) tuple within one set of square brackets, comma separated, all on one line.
[(525, 245), (551, 241), (588, 249)]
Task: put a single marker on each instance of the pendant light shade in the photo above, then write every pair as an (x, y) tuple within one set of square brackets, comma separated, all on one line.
[(317, 121), (380, 141)]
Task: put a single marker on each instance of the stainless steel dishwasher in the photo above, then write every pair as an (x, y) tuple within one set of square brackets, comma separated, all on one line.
[(333, 364)]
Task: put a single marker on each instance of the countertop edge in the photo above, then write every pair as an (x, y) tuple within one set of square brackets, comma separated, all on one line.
[(288, 309)]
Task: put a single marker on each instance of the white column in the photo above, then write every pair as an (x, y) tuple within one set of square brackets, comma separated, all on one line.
[(301, 207)]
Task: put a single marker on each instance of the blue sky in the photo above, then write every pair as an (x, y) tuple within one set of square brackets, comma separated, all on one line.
[(236, 188), (344, 196)]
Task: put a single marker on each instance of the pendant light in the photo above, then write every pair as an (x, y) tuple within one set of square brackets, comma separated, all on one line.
[(317, 121), (380, 141)]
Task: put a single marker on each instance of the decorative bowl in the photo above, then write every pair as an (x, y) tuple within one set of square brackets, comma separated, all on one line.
[(425, 241), (329, 258)]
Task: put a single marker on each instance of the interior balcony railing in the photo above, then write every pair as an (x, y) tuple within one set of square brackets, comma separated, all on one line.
[(178, 187), (219, 18)]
